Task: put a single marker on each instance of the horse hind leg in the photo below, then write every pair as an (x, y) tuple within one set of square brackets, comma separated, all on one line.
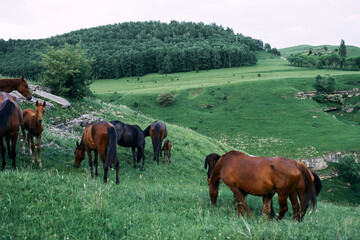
[(3, 152), (295, 206), (134, 156), (13, 150), (283, 206)]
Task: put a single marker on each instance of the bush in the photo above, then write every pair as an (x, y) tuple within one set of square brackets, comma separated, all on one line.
[(348, 169), (66, 71), (324, 85), (165, 99)]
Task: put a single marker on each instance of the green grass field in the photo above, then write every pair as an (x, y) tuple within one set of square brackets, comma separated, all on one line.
[(256, 114), (59, 201), (215, 111)]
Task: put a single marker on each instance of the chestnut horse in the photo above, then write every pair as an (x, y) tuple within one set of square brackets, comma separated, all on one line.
[(19, 84), (211, 160), (33, 124), (167, 150), (262, 176), (10, 120), (101, 138), (157, 131)]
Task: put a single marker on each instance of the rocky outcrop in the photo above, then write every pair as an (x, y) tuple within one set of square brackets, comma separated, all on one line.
[(319, 163)]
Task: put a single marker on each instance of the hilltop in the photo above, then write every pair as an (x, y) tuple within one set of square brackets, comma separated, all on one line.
[(351, 51)]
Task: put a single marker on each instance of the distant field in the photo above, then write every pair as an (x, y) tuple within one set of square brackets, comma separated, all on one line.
[(253, 109), (351, 51)]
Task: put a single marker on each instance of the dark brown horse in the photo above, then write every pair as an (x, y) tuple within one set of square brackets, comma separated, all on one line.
[(101, 138), (10, 120), (19, 84), (261, 176), (157, 131), (131, 136), (167, 150), (33, 124)]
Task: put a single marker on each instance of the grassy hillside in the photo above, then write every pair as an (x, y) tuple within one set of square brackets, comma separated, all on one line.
[(351, 51), (250, 108), (162, 202)]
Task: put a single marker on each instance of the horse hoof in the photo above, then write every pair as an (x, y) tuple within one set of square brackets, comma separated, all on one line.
[(40, 165)]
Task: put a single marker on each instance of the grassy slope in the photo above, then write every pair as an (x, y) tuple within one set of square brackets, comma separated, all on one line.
[(351, 51), (163, 202), (257, 114)]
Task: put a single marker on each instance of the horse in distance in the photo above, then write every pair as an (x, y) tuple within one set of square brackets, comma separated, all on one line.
[(101, 139), (167, 150), (157, 131), (20, 84), (131, 136), (32, 123), (11, 117), (261, 176)]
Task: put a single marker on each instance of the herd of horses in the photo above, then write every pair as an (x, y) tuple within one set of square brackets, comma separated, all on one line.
[(243, 174)]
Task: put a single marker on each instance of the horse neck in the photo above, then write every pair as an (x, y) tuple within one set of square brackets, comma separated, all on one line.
[(215, 175), (9, 85)]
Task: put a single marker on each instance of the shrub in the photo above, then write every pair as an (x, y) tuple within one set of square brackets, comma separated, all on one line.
[(348, 169), (165, 99), (324, 85)]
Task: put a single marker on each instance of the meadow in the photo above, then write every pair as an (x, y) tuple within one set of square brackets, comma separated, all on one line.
[(172, 201)]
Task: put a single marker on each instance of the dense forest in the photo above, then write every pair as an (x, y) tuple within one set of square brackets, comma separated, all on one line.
[(137, 48)]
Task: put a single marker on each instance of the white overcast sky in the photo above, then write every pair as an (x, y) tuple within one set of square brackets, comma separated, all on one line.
[(282, 23)]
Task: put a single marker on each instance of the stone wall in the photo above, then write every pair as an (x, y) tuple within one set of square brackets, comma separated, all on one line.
[(321, 162)]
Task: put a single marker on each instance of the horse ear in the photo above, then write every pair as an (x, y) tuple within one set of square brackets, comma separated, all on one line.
[(208, 180), (22, 78), (77, 144), (44, 103), (37, 102)]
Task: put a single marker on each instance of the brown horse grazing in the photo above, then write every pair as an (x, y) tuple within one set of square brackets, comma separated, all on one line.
[(19, 84), (101, 138), (167, 150), (261, 176), (157, 131), (33, 124), (10, 120)]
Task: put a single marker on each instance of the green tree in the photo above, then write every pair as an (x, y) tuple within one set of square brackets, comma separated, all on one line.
[(66, 71), (349, 169), (324, 85), (342, 48)]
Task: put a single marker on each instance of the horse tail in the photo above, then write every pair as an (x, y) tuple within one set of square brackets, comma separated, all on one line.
[(317, 183), (7, 107), (111, 153), (309, 194)]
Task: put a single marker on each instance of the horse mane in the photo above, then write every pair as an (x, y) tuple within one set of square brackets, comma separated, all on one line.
[(6, 108), (9, 83), (317, 183)]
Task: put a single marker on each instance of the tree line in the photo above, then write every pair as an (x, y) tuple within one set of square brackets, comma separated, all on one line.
[(137, 48)]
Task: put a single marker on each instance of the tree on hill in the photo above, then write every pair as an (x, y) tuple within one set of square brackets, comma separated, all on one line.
[(66, 71), (342, 48)]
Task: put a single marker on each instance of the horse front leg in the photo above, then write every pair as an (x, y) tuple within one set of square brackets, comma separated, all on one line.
[(3, 151), (96, 163), (90, 163), (24, 140), (240, 197), (32, 149), (39, 150), (117, 170)]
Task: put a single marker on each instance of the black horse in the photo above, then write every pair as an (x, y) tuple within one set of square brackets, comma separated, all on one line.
[(131, 136), (212, 159), (157, 131)]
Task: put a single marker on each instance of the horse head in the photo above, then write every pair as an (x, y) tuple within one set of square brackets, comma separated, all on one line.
[(79, 154), (40, 110), (24, 89)]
